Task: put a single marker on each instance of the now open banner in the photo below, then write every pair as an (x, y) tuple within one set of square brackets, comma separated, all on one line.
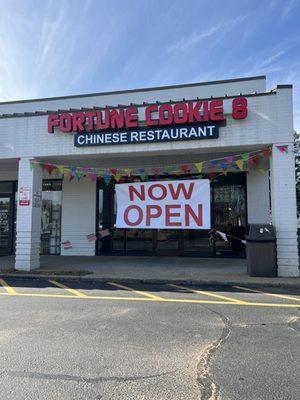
[(164, 204)]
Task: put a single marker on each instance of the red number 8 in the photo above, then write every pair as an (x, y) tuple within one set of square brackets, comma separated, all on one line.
[(239, 108)]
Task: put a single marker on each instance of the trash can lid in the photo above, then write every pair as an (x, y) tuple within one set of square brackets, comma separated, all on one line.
[(260, 233)]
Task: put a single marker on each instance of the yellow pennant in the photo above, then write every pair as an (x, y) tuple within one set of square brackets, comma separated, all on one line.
[(199, 166), (127, 171), (240, 164), (60, 169)]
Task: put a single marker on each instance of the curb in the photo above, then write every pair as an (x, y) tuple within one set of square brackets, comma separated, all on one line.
[(200, 282)]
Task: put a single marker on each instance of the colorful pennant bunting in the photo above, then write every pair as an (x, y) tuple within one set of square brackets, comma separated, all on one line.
[(252, 160)]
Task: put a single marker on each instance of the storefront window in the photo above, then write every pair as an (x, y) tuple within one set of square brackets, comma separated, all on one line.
[(228, 214)]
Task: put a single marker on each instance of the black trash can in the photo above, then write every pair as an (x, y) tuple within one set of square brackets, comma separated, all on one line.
[(261, 250)]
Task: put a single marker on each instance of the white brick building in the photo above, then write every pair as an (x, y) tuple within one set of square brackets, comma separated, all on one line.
[(70, 210)]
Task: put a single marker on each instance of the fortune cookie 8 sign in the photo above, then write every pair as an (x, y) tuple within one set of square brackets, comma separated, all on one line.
[(154, 123)]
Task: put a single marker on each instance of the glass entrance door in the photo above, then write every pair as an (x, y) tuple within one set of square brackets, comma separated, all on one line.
[(6, 224), (230, 215)]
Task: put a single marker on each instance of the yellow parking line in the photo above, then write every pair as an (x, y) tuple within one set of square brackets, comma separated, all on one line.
[(73, 291), (8, 288), (162, 300), (142, 293), (281, 296), (218, 296)]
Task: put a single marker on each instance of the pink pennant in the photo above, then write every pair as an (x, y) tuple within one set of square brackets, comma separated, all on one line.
[(229, 159), (93, 177), (113, 171), (282, 149)]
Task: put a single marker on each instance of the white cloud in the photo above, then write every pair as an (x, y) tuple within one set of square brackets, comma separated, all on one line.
[(287, 7), (193, 39), (197, 37)]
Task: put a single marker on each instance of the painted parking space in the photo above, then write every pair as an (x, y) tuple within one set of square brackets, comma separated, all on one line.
[(167, 293)]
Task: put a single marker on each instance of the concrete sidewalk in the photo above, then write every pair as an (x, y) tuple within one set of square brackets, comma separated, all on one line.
[(181, 270)]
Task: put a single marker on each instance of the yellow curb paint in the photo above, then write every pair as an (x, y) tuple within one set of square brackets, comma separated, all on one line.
[(161, 300), (8, 288), (218, 296), (142, 293), (73, 291), (281, 296)]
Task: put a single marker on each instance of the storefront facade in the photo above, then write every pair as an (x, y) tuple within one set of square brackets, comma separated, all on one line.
[(42, 207)]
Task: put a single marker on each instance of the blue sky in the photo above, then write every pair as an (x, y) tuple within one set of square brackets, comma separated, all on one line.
[(59, 47)]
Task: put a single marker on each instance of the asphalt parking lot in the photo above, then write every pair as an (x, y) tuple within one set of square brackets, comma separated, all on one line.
[(89, 340)]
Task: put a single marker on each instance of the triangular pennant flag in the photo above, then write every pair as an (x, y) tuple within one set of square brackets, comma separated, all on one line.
[(245, 156), (214, 163), (266, 153), (118, 177), (254, 160), (106, 177), (199, 166), (229, 159), (142, 173), (224, 166), (127, 171), (240, 164), (114, 171), (223, 236), (31, 165), (185, 168), (71, 177), (282, 148), (93, 177), (60, 169), (211, 176), (79, 174), (49, 167)]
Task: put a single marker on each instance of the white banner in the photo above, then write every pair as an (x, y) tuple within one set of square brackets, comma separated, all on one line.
[(164, 204)]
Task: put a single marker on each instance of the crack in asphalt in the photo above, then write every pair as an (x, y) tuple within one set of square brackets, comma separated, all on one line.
[(74, 378), (293, 323), (209, 389)]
